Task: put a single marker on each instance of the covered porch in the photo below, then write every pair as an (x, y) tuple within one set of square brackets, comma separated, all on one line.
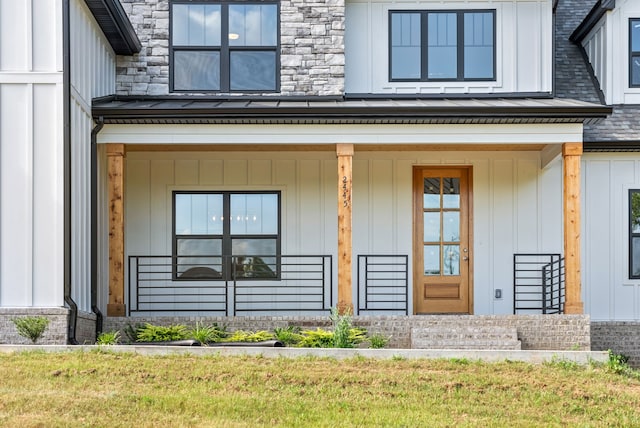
[(354, 187)]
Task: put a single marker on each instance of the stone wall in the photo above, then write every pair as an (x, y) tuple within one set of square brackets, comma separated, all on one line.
[(621, 337), (86, 328), (311, 53), (540, 332), (55, 334)]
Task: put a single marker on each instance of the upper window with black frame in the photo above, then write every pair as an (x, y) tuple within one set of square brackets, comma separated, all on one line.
[(442, 45), (226, 235), (634, 234), (224, 46), (634, 52)]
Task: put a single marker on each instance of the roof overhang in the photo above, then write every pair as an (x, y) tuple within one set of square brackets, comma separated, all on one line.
[(592, 18), (269, 110), (115, 25)]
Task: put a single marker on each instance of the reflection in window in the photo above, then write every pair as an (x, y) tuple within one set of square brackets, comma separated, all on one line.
[(634, 234), (214, 231), (634, 52)]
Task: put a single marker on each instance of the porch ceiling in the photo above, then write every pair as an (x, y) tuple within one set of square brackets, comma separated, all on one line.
[(272, 110)]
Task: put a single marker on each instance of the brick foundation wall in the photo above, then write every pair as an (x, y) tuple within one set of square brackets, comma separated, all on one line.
[(622, 337), (311, 49), (86, 328), (55, 334), (540, 332)]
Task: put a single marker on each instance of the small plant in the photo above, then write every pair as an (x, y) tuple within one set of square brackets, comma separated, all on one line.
[(108, 338), (157, 333), (207, 334), (318, 338), (341, 326), (618, 364), (563, 363), (31, 327), (131, 331), (289, 335), (247, 336), (378, 341)]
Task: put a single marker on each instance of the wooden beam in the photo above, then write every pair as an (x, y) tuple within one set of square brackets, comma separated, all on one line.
[(345, 270), (549, 154), (115, 170), (571, 154)]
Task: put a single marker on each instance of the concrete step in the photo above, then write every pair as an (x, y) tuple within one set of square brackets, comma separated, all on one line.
[(465, 337)]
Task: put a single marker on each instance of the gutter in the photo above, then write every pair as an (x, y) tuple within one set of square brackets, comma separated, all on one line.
[(66, 115), (94, 225)]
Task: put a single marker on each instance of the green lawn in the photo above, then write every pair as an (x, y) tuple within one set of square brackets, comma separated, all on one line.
[(108, 389)]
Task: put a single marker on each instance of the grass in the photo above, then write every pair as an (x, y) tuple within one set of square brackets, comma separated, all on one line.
[(109, 389)]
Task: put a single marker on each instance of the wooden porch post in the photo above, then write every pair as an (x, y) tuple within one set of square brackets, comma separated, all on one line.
[(115, 169), (571, 154), (345, 158)]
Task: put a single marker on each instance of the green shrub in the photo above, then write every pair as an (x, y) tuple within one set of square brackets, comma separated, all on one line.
[(378, 341), (108, 338), (31, 328), (131, 331), (289, 335), (318, 338), (247, 336), (158, 333), (207, 334)]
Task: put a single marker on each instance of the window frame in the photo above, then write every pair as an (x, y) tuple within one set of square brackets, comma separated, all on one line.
[(424, 45), (226, 237), (632, 234), (225, 49), (632, 53)]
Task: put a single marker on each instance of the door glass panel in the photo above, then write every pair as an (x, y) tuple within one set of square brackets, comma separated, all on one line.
[(432, 260), (451, 260), (451, 226), (451, 193), (432, 227), (431, 193)]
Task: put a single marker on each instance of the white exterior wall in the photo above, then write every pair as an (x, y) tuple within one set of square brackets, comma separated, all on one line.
[(595, 45), (523, 47), (517, 207), (92, 75), (609, 294), (614, 51), (31, 167)]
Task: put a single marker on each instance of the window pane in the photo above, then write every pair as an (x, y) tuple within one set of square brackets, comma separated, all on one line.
[(451, 226), (253, 25), (478, 45), (635, 211), (432, 260), (635, 257), (405, 46), (635, 35), (196, 25), (451, 260), (254, 214), (432, 227), (196, 70), (451, 193), (442, 46), (253, 70), (198, 214), (251, 261), (198, 267), (635, 70), (431, 193)]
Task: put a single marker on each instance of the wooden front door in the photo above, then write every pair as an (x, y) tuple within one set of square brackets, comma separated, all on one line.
[(442, 251)]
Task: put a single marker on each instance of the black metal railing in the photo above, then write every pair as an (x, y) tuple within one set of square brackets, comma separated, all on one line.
[(538, 283), (383, 284), (230, 285)]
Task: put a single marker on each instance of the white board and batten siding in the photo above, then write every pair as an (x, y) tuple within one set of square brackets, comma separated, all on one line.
[(607, 47), (523, 47), (517, 206), (609, 293), (31, 148)]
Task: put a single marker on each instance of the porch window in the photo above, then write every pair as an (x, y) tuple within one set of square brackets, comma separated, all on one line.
[(226, 235), (634, 52), (224, 46), (634, 233), (442, 45)]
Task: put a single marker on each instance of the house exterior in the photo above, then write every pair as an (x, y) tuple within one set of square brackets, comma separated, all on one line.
[(277, 158)]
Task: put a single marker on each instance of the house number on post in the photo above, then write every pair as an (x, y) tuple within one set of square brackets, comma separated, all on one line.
[(345, 192)]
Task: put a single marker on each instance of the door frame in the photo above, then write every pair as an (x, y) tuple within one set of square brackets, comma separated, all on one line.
[(417, 206)]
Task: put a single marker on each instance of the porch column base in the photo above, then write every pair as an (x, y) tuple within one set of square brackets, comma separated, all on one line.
[(116, 310)]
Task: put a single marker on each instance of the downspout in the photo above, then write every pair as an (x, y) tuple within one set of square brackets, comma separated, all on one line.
[(94, 224), (66, 119)]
